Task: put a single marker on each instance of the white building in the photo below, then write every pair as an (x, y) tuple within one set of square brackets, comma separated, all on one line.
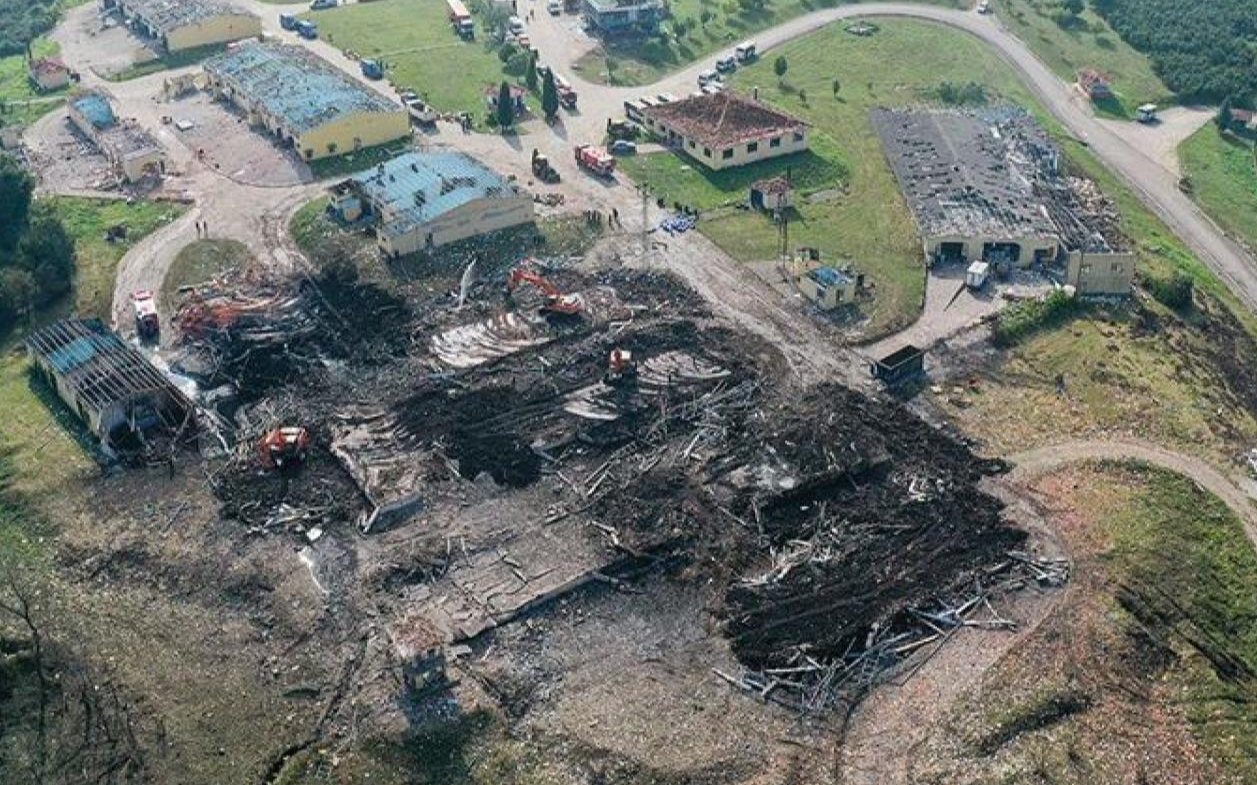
[(725, 130)]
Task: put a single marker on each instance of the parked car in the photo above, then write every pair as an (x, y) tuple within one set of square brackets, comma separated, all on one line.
[(711, 88), (515, 25), (319, 5), (708, 76), (726, 64), (307, 29), (984, 7), (555, 7), (745, 52), (665, 98), (623, 147), (288, 21)]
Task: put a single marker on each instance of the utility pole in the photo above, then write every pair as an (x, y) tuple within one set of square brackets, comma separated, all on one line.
[(641, 189)]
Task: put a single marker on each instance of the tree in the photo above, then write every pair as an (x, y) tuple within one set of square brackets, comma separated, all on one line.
[(780, 66), (705, 17), (1074, 7), (1226, 118), (16, 187), (17, 291), (46, 251), (507, 51), (549, 96), (506, 106), (836, 87), (530, 75)]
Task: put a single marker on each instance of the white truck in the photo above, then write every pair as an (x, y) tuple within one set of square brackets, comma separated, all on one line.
[(977, 274)]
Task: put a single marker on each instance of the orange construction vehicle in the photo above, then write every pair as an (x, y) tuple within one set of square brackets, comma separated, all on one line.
[(556, 301), (284, 446), (621, 368)]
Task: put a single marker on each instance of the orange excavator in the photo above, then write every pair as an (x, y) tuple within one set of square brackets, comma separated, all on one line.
[(286, 446), (556, 301)]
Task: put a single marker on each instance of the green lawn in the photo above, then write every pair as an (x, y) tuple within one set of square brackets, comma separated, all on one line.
[(1088, 43), (201, 261), (1223, 173), (420, 51), (644, 62), (167, 62), (858, 216), (20, 103)]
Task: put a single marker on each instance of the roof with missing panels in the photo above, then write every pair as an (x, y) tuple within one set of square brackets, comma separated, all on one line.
[(302, 90), (968, 175), (419, 187), (100, 367), (724, 119), (168, 15), (96, 109)]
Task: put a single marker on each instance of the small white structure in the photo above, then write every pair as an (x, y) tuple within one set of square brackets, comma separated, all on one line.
[(976, 275)]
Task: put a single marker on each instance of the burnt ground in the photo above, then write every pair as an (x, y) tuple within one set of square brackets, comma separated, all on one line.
[(571, 537)]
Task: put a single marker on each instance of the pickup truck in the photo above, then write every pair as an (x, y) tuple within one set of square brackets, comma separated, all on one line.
[(319, 5)]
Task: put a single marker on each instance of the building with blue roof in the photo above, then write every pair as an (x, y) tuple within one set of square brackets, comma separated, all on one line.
[(132, 151), (120, 396), (420, 201), (303, 100)]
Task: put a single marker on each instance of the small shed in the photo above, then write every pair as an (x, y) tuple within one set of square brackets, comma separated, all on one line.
[(775, 193), (518, 93), (49, 73), (120, 396), (899, 366), (828, 287)]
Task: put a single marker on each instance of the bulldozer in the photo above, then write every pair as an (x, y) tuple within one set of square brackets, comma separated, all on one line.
[(284, 447), (542, 168)]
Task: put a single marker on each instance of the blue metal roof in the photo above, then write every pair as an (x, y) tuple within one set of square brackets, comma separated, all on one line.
[(300, 89), (830, 276), (418, 187), (96, 109)]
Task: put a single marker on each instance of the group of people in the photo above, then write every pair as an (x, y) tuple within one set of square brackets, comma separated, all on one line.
[(611, 219)]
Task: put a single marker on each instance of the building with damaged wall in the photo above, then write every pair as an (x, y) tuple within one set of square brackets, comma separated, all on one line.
[(421, 201), (113, 389), (187, 24), (303, 100), (132, 151)]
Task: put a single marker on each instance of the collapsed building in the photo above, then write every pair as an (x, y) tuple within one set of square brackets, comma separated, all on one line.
[(992, 186), (131, 150), (124, 401), (725, 129), (187, 24), (303, 101), (421, 201)]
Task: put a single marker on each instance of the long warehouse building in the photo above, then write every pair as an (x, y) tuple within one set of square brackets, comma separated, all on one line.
[(305, 101), (187, 24)]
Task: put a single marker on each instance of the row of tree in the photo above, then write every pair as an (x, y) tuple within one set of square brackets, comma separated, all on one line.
[(36, 252), (505, 115), (1201, 50), (22, 21)]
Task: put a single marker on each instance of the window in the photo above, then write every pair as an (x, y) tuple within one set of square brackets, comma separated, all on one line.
[(308, 153), (775, 142), (798, 137), (331, 148), (1118, 268), (726, 154), (692, 145), (707, 152), (752, 147)]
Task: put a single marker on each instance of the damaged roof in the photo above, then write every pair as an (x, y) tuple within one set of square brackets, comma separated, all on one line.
[(96, 364), (168, 15), (294, 85), (967, 175), (418, 187), (724, 119)]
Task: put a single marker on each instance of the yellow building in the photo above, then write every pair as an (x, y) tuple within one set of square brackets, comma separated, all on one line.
[(187, 24), (303, 100), (131, 150)]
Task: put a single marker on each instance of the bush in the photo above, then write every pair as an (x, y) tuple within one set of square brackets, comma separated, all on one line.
[(507, 51), (1177, 291), (1026, 318), (517, 65), (968, 94)]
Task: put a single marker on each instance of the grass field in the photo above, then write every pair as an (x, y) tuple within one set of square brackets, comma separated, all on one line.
[(860, 216), (181, 59), (643, 62), (201, 261), (20, 103), (1089, 43), (420, 52), (1223, 172)]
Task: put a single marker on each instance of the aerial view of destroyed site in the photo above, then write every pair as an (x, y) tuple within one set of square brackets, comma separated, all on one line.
[(628, 392)]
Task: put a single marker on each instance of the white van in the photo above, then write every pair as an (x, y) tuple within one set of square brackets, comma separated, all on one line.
[(515, 25), (708, 76), (745, 51)]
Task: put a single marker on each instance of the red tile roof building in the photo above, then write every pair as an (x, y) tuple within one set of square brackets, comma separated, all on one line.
[(726, 130), (1095, 84)]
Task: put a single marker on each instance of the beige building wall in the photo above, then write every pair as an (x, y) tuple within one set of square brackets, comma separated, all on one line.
[(473, 219), (347, 134), (974, 247), (216, 30), (767, 147), (135, 167), (827, 297), (1104, 274)]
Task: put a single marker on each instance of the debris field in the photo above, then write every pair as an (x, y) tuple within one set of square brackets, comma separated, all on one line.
[(526, 441)]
